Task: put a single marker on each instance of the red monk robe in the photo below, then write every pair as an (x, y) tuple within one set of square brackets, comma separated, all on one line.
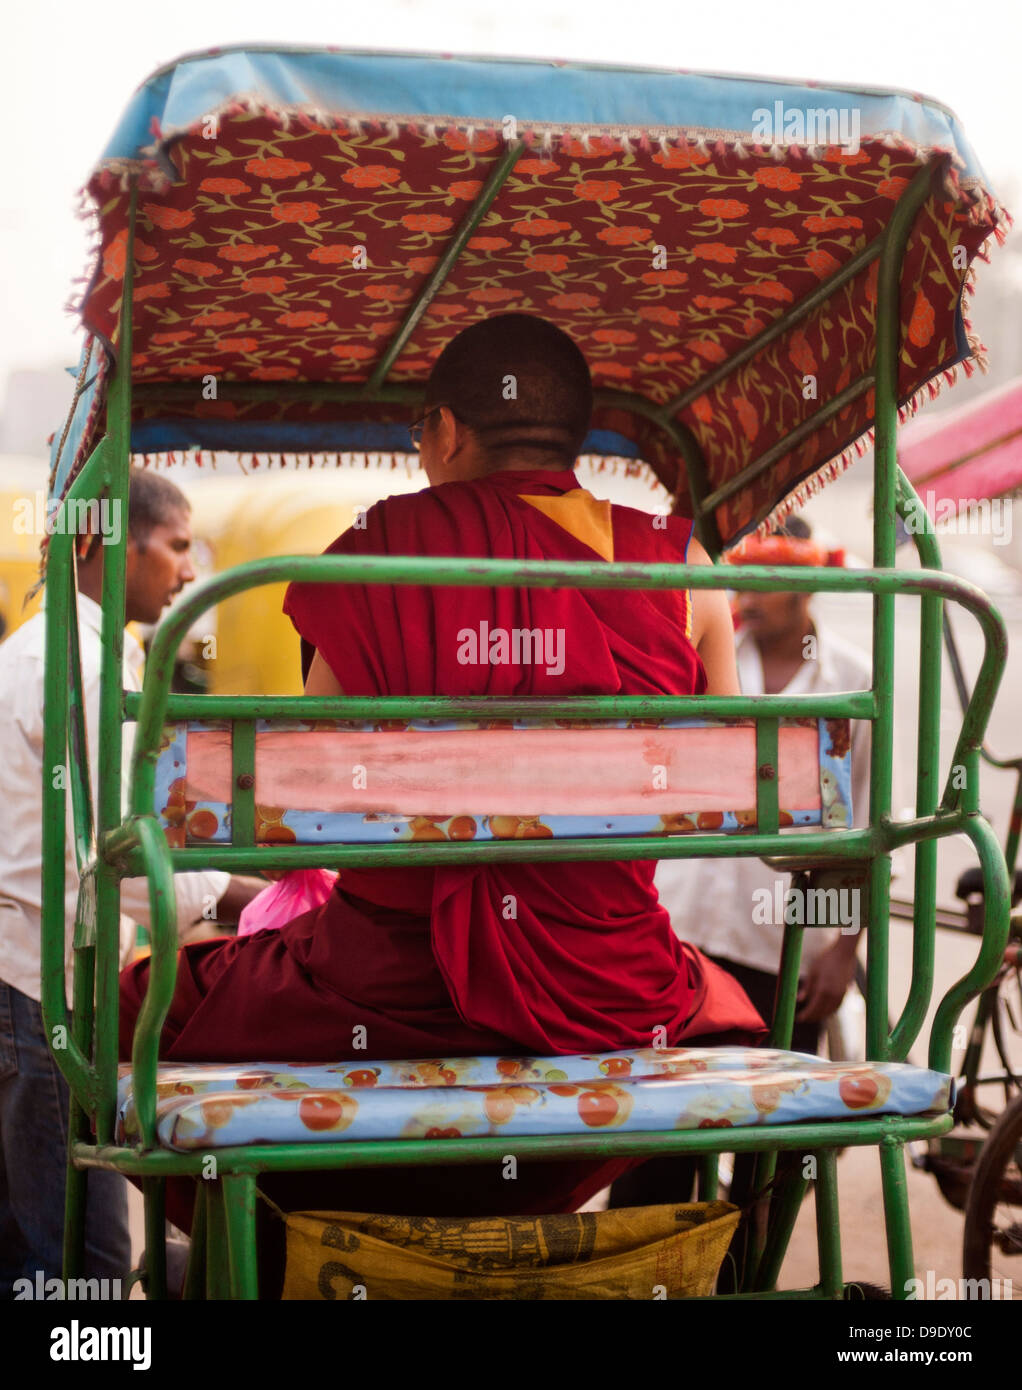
[(425, 959)]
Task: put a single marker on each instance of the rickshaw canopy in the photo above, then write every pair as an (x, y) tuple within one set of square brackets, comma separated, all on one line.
[(327, 219)]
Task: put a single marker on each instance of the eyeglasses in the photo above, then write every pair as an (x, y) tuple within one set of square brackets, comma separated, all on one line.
[(415, 430)]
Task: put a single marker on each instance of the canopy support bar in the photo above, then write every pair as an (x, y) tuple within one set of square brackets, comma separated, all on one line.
[(790, 441), (704, 517), (480, 207), (778, 327), (111, 697), (886, 359)]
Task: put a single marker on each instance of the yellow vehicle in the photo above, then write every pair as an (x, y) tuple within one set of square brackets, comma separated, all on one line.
[(248, 647), (22, 519)]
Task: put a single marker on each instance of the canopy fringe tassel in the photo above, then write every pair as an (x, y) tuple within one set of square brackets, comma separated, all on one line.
[(828, 472)]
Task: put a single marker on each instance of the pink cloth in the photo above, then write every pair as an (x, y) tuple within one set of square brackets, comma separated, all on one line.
[(301, 890)]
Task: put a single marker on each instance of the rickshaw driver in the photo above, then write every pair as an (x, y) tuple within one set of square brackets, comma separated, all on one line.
[(421, 959)]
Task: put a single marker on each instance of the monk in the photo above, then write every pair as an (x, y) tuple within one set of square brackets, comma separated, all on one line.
[(425, 960)]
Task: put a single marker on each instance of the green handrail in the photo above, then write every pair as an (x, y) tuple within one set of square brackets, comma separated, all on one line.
[(836, 846), (996, 913), (924, 916), (887, 346), (75, 1065), (111, 704), (852, 704), (162, 972)]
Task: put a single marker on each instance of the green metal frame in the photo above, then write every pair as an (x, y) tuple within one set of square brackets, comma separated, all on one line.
[(224, 1255), (937, 627)]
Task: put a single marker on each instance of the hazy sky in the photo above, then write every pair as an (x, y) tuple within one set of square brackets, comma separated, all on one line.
[(67, 70)]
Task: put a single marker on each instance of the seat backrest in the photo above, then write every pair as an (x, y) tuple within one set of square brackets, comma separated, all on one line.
[(331, 782)]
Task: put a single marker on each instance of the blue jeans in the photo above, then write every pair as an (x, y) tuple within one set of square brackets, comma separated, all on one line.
[(34, 1101)]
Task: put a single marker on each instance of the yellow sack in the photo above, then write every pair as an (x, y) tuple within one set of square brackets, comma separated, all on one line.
[(634, 1253)]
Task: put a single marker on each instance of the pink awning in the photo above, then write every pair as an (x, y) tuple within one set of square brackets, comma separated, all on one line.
[(974, 451)]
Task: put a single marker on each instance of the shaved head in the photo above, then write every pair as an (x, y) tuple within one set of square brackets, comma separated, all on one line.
[(518, 382)]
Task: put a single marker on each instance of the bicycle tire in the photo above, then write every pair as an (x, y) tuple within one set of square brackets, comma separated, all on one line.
[(987, 1243), (1012, 1066)]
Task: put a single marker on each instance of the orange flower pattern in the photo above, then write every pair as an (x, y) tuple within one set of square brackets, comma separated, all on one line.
[(661, 261)]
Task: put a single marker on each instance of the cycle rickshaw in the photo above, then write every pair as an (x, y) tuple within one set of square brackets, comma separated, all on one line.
[(759, 274)]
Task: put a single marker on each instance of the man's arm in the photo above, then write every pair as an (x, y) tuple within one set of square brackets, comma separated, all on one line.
[(827, 980), (713, 633), (210, 896)]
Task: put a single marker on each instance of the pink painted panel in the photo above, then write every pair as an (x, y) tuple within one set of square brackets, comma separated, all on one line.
[(510, 771), (973, 451)]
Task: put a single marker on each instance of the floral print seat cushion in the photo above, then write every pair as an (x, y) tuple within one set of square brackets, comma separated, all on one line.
[(209, 1105)]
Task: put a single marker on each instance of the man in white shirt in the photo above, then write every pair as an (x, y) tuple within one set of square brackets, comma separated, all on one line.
[(780, 649), (34, 1097)]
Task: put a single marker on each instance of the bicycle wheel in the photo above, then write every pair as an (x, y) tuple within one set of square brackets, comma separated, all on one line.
[(1006, 1026), (992, 1247)]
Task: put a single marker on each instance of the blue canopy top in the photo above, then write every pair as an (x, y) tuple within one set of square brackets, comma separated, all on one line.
[(535, 91)]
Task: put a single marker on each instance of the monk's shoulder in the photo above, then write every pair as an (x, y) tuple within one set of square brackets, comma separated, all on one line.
[(651, 535)]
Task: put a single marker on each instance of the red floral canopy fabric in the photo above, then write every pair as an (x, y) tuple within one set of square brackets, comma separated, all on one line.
[(287, 249)]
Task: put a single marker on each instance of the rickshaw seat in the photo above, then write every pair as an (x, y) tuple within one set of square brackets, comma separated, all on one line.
[(298, 792), (220, 787), (215, 1105)]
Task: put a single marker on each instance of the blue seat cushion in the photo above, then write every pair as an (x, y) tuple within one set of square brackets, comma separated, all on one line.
[(214, 1105)]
